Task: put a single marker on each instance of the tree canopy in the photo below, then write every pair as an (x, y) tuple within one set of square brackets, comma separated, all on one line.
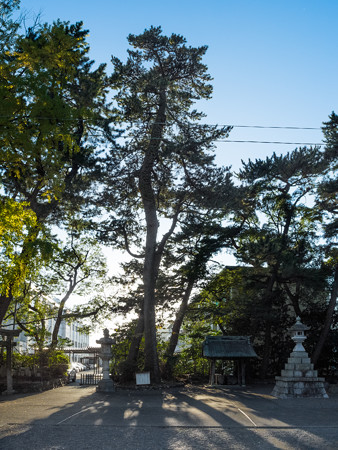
[(124, 158), (51, 100)]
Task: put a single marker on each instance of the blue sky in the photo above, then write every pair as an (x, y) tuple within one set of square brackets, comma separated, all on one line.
[(274, 63)]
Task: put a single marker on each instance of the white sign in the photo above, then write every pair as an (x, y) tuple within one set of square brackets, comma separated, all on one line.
[(143, 378)]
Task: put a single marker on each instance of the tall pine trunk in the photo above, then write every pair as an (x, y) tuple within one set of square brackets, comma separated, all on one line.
[(175, 332), (130, 364), (152, 257), (328, 319), (267, 331)]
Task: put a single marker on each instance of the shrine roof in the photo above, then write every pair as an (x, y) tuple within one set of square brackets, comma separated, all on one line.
[(228, 347)]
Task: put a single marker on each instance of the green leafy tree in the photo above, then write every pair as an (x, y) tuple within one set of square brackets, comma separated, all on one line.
[(77, 268), (8, 25), (80, 269), (187, 263), (284, 243), (327, 203), (165, 168), (234, 303), (37, 313), (189, 362), (16, 222), (22, 253), (51, 103)]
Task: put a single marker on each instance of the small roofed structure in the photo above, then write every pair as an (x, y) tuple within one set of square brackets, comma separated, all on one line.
[(236, 348)]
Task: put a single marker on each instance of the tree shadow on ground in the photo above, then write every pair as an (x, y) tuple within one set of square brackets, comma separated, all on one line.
[(163, 419)]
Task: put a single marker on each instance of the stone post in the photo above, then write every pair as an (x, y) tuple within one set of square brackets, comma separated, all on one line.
[(9, 344), (106, 384)]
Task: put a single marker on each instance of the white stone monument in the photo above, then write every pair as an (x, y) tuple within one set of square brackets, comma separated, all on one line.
[(299, 379), (106, 384)]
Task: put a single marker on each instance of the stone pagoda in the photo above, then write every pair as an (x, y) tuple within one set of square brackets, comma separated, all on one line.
[(299, 379)]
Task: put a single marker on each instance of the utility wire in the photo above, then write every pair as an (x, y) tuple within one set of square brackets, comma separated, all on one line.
[(246, 141), (240, 141), (271, 142), (236, 141), (160, 123), (272, 127)]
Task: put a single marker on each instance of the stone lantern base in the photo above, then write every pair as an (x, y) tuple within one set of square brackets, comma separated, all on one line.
[(105, 386), (299, 379), (9, 392)]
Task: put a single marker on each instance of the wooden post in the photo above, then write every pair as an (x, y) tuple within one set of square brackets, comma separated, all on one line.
[(212, 372), (243, 372)]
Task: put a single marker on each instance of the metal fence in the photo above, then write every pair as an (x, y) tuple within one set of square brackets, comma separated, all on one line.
[(90, 378)]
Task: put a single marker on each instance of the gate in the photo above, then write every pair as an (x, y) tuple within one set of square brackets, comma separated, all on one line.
[(90, 378)]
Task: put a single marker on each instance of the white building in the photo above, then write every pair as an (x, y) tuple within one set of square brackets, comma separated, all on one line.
[(78, 339)]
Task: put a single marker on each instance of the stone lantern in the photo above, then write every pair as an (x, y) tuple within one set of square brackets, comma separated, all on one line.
[(106, 384), (297, 335), (299, 379)]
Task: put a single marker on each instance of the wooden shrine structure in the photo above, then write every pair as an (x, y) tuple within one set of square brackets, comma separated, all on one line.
[(236, 348)]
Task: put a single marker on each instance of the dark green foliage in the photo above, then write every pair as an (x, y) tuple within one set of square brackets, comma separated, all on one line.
[(50, 364), (51, 102), (285, 273), (165, 169), (165, 201)]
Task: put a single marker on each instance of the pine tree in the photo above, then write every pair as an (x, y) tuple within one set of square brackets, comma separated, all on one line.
[(164, 169)]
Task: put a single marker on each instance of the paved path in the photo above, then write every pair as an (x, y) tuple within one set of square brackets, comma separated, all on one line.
[(76, 417)]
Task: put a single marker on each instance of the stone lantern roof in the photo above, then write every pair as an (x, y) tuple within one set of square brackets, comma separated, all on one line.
[(298, 326)]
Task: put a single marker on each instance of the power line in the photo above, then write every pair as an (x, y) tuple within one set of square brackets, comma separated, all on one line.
[(239, 141), (271, 142), (235, 141), (269, 127), (280, 127), (246, 141)]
